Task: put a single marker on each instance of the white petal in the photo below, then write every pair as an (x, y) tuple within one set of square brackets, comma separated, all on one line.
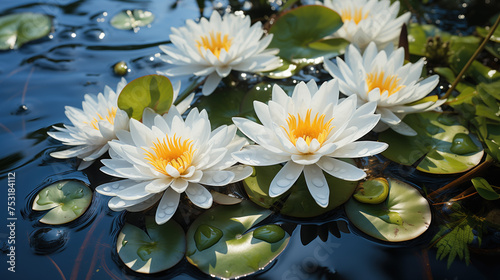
[(285, 178), (360, 149), (258, 156), (241, 172), (340, 169), (158, 185), (211, 83), (179, 185), (216, 178), (200, 196), (168, 205), (317, 185)]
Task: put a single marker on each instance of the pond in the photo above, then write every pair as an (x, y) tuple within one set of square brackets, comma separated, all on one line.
[(40, 78)]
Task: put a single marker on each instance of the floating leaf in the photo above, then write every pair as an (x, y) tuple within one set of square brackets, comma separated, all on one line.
[(404, 215), (484, 189), (299, 33), (418, 35), (153, 91), (157, 249), (67, 199), (372, 191), (298, 202), (128, 19), (238, 252), (18, 29), (433, 143)]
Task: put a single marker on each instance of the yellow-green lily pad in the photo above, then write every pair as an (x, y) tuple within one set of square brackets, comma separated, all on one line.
[(404, 215), (162, 247), (444, 144), (222, 242), (67, 200), (151, 91), (298, 202)]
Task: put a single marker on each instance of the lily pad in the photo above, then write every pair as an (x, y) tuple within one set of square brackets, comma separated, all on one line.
[(404, 215), (220, 244), (433, 147), (17, 29), (153, 91), (132, 19), (372, 191), (158, 249), (297, 202), (67, 200), (299, 33)]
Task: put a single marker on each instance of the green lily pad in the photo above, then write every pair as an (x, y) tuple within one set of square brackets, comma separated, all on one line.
[(162, 247), (484, 189), (67, 200), (153, 91), (404, 215), (132, 19), (299, 33), (17, 29), (434, 143), (298, 202), (237, 251)]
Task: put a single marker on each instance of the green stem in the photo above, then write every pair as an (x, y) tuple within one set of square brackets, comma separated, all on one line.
[(469, 63)]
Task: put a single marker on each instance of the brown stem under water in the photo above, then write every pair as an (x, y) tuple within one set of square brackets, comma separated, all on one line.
[(462, 179)]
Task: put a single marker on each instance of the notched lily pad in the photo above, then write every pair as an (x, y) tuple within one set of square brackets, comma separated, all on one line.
[(153, 91), (17, 29), (404, 215), (132, 19), (442, 146), (299, 33), (238, 251), (162, 247), (298, 202), (67, 200)]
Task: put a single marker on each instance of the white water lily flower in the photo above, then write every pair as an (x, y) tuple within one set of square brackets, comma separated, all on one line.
[(165, 156), (215, 47), (368, 21), (309, 131), (96, 124), (381, 77)]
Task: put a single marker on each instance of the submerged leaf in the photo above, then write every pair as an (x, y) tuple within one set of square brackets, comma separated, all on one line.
[(17, 29), (67, 199)]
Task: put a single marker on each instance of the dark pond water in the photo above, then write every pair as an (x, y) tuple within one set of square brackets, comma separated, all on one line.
[(39, 79)]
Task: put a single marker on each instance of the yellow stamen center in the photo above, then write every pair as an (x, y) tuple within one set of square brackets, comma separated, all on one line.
[(354, 14), (379, 80), (110, 117), (299, 127), (215, 42), (174, 151)]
